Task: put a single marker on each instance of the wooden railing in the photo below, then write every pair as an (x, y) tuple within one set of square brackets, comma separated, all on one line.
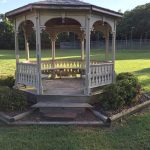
[(61, 64), (26, 74), (101, 74), (61, 68)]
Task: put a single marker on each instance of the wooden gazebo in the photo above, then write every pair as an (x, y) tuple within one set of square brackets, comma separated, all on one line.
[(55, 16)]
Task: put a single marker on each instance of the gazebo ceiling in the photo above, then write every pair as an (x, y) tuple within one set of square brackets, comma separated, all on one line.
[(62, 5)]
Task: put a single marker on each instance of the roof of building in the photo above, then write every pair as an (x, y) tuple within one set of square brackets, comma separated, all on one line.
[(62, 4)]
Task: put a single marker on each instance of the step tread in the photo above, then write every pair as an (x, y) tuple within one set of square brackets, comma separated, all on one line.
[(61, 105), (69, 115)]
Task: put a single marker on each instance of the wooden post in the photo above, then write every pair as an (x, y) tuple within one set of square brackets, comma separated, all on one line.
[(82, 49), (106, 46), (53, 37), (26, 41), (16, 46), (113, 52), (87, 79), (17, 54), (26, 46), (38, 54), (53, 49)]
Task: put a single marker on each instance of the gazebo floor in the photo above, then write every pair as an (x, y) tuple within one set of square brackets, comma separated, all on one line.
[(64, 86)]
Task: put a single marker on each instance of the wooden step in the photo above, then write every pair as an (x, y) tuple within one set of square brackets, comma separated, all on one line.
[(63, 98), (61, 105), (60, 116)]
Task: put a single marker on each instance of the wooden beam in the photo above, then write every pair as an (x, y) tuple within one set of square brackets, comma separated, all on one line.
[(38, 54), (26, 46), (113, 52), (107, 45), (88, 34)]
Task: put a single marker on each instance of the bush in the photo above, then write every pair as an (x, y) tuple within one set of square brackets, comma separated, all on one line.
[(111, 97), (131, 85), (128, 76), (7, 81), (11, 99), (123, 92)]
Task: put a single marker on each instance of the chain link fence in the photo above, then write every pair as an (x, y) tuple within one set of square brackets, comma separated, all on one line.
[(120, 44)]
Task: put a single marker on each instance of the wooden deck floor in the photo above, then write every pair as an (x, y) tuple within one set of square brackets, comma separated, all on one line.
[(63, 86)]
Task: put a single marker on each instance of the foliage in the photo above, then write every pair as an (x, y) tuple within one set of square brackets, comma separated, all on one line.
[(7, 81), (124, 92), (6, 33), (127, 76), (112, 97), (135, 21), (11, 99)]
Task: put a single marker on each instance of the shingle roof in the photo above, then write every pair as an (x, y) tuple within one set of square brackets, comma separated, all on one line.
[(62, 2)]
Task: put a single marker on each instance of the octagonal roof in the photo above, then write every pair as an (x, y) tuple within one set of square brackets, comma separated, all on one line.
[(63, 5), (62, 2)]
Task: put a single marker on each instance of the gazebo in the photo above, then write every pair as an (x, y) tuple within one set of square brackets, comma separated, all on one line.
[(54, 17)]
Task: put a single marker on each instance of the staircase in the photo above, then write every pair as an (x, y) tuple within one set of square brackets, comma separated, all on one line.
[(62, 107)]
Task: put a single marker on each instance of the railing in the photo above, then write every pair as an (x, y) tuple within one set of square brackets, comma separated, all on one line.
[(48, 65), (26, 74), (101, 74)]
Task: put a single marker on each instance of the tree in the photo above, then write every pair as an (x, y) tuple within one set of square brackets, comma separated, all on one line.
[(6, 33), (136, 20)]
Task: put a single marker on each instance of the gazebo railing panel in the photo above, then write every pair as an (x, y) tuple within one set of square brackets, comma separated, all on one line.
[(26, 74), (68, 63), (56, 64), (101, 74)]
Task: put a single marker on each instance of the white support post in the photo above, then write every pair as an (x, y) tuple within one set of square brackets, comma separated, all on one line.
[(82, 49), (26, 46), (53, 37), (53, 50), (113, 52), (17, 55), (106, 46), (38, 54), (87, 79), (16, 46)]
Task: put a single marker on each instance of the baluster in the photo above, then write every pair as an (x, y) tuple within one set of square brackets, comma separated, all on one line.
[(98, 76), (91, 76)]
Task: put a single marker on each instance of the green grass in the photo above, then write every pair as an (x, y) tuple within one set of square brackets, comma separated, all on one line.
[(135, 61), (134, 133)]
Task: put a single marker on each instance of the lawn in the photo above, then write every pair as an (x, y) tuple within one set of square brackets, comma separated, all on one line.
[(135, 61), (134, 133)]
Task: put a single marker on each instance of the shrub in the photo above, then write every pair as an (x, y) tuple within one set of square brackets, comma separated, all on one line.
[(11, 99), (131, 85), (123, 92), (7, 81), (111, 97), (128, 76), (18, 100)]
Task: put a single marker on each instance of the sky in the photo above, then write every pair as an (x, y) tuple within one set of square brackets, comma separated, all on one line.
[(123, 5)]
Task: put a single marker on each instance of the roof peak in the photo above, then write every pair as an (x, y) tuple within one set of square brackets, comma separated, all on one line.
[(62, 2)]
